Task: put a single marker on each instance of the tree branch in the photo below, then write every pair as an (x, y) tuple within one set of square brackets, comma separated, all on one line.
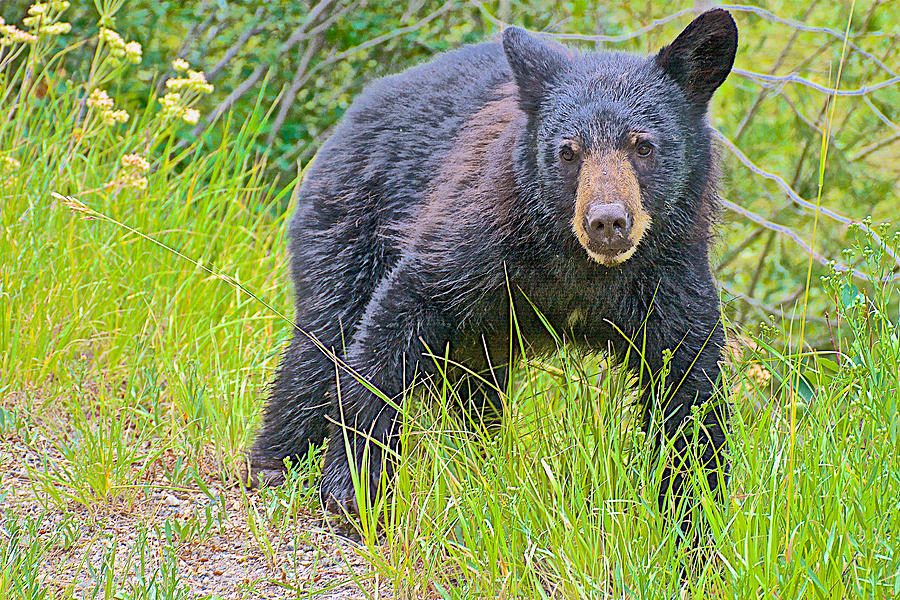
[(795, 197)]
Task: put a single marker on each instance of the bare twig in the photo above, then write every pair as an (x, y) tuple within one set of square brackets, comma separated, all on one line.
[(875, 146), (793, 235), (195, 28), (245, 86), (385, 37), (589, 38), (233, 97), (770, 16), (257, 74), (287, 99), (735, 251), (298, 35), (798, 168), (754, 280), (839, 35), (881, 116), (795, 197), (794, 78), (315, 41), (237, 46), (766, 309), (757, 101)]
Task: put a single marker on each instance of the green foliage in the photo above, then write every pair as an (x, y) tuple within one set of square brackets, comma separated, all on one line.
[(307, 61), (144, 287)]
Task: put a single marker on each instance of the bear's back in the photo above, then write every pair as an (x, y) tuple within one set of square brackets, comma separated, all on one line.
[(396, 135), (372, 176)]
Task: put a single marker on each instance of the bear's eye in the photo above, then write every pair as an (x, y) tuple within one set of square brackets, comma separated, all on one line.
[(566, 153), (644, 149)]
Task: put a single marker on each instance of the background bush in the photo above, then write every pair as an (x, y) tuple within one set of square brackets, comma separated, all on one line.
[(305, 61)]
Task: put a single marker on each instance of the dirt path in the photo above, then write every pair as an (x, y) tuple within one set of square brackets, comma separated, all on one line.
[(225, 542)]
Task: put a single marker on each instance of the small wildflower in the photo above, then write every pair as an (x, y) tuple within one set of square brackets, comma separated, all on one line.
[(136, 162), (195, 81), (174, 106), (56, 29), (8, 162), (41, 19), (191, 116), (115, 42), (10, 34), (130, 178), (59, 5), (115, 116), (100, 100), (181, 65), (171, 104), (759, 374), (133, 52)]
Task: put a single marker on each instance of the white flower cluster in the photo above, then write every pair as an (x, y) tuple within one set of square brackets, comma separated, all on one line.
[(10, 34), (176, 103), (9, 163), (8, 167), (136, 162), (173, 107), (118, 49), (104, 105), (43, 16), (132, 174), (195, 80)]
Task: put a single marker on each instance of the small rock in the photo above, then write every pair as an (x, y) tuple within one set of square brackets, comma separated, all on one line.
[(172, 500)]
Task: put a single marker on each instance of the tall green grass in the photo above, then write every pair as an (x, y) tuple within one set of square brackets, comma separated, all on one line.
[(85, 301), (119, 352), (562, 502)]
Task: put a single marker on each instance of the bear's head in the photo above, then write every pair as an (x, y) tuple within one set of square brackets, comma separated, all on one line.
[(620, 143)]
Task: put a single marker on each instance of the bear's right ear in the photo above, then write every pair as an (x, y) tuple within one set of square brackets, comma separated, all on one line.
[(702, 55), (533, 63)]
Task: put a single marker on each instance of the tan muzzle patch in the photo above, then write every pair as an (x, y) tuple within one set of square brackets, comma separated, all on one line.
[(609, 178)]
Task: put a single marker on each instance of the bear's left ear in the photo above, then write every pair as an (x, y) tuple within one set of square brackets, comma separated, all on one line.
[(534, 64), (701, 56)]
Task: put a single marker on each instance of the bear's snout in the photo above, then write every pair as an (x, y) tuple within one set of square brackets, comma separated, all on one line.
[(609, 227), (610, 218)]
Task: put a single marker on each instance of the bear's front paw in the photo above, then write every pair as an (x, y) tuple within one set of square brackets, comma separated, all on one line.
[(263, 471), (337, 492), (339, 498)]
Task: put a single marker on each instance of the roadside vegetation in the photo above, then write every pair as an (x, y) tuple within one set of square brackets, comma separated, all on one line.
[(144, 299)]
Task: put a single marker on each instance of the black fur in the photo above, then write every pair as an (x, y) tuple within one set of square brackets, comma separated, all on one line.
[(441, 190)]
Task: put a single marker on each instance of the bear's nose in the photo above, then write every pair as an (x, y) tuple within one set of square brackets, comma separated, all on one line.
[(608, 226)]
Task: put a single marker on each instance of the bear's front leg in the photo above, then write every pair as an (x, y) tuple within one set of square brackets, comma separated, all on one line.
[(388, 352), (686, 322)]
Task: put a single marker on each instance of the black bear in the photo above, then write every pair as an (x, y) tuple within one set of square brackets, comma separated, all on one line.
[(521, 173)]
